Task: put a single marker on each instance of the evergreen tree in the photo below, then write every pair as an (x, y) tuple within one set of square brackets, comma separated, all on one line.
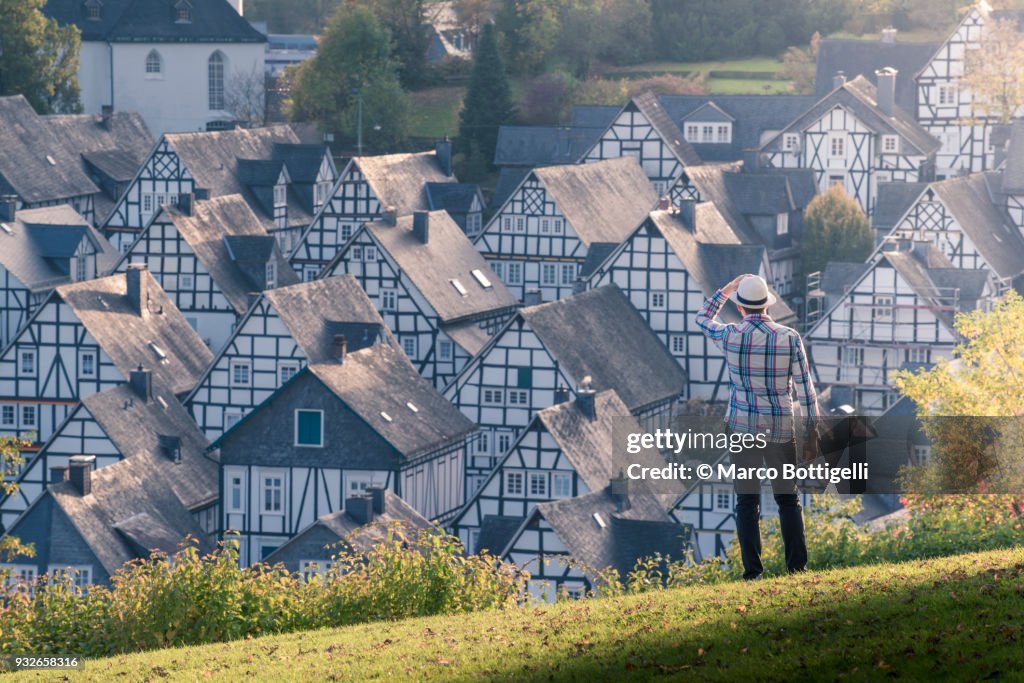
[(835, 229), (38, 58), (488, 102)]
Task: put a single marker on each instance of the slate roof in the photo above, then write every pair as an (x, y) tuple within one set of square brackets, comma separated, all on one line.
[(40, 241), (315, 311), (599, 333), (596, 117), (710, 181), (753, 116), (467, 334), (864, 57), (932, 276), (132, 508), (222, 162), (759, 193), (153, 21), (602, 201), (362, 537), (231, 243), (859, 97), (971, 200), (892, 203), (380, 379), (1013, 172), (135, 426), (399, 180), (648, 105), (533, 146), (28, 145), (640, 531), (448, 255), (839, 276), (495, 532), (128, 338), (509, 180), (455, 198)]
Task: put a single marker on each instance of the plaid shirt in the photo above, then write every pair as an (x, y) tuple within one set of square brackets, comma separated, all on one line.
[(766, 361)]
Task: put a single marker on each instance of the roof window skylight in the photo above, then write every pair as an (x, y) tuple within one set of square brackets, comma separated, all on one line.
[(481, 278), (458, 287)]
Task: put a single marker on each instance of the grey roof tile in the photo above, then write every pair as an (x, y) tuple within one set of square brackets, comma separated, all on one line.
[(134, 21), (864, 57)]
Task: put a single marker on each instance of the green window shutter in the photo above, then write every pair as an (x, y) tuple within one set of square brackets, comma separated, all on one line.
[(525, 378), (308, 427)]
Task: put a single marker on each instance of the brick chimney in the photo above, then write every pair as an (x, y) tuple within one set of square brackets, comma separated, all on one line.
[(141, 382), (339, 347), (886, 90), (136, 292), (360, 508), (421, 226), (80, 473), (664, 204)]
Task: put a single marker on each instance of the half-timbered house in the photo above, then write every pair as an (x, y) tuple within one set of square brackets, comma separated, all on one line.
[(210, 257), (78, 159), (269, 167), (965, 218), (87, 526), (283, 330), (340, 426), (596, 334), (947, 109), (643, 129), (87, 337), (567, 450), (673, 261), (898, 314), (1011, 182), (365, 521), (432, 287), (566, 544), (136, 417), (856, 136), (560, 216), (366, 189), (39, 250)]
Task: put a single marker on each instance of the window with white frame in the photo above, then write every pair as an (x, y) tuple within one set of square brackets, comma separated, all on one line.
[(27, 362), (561, 485), (514, 273), (837, 145), (309, 428), (81, 269), (538, 484), (514, 483), (493, 397), (548, 273), (545, 226), (344, 233), (518, 397), (948, 94), (707, 133), (482, 445), (388, 299), (370, 254), (918, 355), (445, 350), (568, 273), (723, 498), (506, 223), (504, 441), (313, 568), (890, 144), (241, 373), (20, 575), (520, 224), (920, 454), (8, 416), (215, 81), (271, 274), (782, 223), (881, 307), (87, 364), (236, 493), (497, 268), (790, 142), (286, 369), (410, 346), (231, 418), (272, 493), (280, 195), (154, 64), (677, 344), (692, 132), (147, 202), (558, 226), (77, 577), (656, 300), (723, 133)]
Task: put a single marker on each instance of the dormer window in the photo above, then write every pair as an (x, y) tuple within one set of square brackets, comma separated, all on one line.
[(93, 10), (182, 12)]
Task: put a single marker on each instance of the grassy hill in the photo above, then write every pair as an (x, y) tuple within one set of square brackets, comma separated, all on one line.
[(958, 617)]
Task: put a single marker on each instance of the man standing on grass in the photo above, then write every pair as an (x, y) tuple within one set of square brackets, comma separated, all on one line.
[(766, 363)]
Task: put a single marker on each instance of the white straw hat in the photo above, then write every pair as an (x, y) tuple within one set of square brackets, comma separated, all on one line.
[(752, 292)]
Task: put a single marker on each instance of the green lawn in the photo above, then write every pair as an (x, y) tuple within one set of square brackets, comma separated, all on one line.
[(746, 86), (765, 64), (952, 618)]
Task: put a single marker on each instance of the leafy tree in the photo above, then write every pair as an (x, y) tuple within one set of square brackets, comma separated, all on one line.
[(835, 229), (473, 14), (547, 99), (405, 20), (798, 66), (994, 73), (38, 57), (294, 16), (10, 462), (970, 407), (488, 102), (529, 30), (353, 59)]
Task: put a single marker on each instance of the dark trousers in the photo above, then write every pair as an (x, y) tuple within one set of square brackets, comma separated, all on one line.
[(748, 510)]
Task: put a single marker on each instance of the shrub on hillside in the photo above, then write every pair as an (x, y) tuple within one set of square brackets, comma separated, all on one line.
[(195, 599)]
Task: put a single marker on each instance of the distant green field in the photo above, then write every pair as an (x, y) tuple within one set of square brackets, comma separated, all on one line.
[(915, 36), (732, 86), (952, 618)]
